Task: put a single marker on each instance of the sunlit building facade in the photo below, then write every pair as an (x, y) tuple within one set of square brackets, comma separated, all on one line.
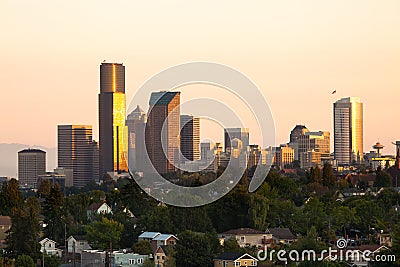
[(348, 130), (113, 133)]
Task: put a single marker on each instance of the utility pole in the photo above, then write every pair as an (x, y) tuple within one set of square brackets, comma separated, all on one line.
[(73, 254)]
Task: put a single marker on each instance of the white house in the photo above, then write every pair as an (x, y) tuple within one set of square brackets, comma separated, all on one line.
[(98, 208), (48, 246), (80, 243)]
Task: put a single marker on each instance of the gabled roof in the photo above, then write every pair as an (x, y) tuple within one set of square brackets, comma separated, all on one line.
[(233, 256), (162, 249), (244, 231), (150, 235), (96, 206), (281, 233), (5, 220), (77, 238), (163, 237), (46, 240)]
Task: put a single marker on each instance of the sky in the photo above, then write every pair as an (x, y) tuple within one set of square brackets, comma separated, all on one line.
[(297, 52)]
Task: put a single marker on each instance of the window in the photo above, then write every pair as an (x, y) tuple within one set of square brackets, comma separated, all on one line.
[(242, 238), (237, 263), (253, 263), (132, 261), (140, 260)]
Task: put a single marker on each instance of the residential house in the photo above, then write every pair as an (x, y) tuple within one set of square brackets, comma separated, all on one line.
[(123, 259), (79, 242), (98, 208), (247, 237), (5, 225), (282, 235), (48, 246), (233, 259), (161, 256), (357, 256), (92, 258), (385, 239), (164, 240)]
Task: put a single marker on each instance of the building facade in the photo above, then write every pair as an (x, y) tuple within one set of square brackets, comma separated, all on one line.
[(77, 151), (164, 111), (31, 164), (190, 137), (314, 148), (240, 133), (113, 133), (136, 123), (348, 130)]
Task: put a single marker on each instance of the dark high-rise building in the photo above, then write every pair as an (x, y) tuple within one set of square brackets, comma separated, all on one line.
[(348, 130), (136, 123), (77, 151), (163, 105), (31, 164), (113, 133), (240, 133), (190, 137), (297, 131)]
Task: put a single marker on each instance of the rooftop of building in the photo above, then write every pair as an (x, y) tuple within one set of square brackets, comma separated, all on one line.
[(162, 98), (31, 150)]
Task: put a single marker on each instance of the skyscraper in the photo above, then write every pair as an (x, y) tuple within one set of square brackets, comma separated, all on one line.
[(136, 123), (112, 114), (240, 133), (190, 137), (77, 151), (316, 144), (163, 105), (31, 164), (348, 130)]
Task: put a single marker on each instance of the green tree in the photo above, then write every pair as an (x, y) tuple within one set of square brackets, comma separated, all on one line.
[(51, 261), (328, 177), (148, 263), (171, 257), (258, 209), (24, 261), (24, 231), (156, 219), (231, 245), (10, 197), (101, 234), (315, 175), (383, 179), (194, 249), (142, 247), (53, 213), (44, 188)]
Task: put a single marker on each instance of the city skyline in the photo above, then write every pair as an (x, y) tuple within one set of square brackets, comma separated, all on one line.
[(356, 55)]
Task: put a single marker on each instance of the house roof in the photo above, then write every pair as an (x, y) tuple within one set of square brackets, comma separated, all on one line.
[(232, 256), (281, 233), (96, 206), (243, 231), (45, 240), (77, 237), (229, 256), (163, 237), (162, 249), (5, 220), (150, 235)]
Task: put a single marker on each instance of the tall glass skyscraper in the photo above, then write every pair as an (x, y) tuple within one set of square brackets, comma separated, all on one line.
[(113, 133), (348, 130), (77, 151), (164, 109)]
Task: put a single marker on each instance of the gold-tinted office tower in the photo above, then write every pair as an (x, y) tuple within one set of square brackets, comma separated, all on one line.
[(348, 130), (113, 134), (163, 105)]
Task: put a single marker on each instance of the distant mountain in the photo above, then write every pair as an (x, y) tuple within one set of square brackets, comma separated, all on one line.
[(9, 158)]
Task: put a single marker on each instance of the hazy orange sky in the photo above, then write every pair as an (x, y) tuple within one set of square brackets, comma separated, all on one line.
[(297, 52)]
